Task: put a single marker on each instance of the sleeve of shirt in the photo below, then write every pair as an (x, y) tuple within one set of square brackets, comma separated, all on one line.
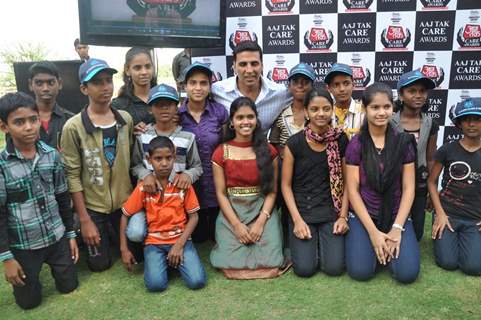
[(434, 128), (273, 151), (194, 164), (191, 204), (5, 253), (72, 157), (343, 142), (135, 202), (224, 114), (293, 144), (138, 169), (60, 183), (410, 155), (175, 69), (440, 154), (275, 133), (218, 156), (353, 152)]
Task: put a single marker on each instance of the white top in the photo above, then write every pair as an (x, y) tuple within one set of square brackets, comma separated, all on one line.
[(271, 100)]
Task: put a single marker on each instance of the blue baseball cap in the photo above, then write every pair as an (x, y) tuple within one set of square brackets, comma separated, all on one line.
[(414, 76), (196, 66), (91, 67), (303, 69), (470, 106), (337, 68), (162, 91)]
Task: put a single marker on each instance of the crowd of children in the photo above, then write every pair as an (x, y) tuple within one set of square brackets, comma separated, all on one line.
[(143, 178)]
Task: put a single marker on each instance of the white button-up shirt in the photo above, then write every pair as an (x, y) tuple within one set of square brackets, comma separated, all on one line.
[(271, 100)]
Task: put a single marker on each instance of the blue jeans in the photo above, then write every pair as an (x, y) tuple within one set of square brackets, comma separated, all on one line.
[(136, 230), (461, 248), (155, 267), (361, 261)]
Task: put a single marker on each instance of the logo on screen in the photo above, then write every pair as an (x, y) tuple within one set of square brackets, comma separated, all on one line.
[(395, 36), (280, 5), (357, 4), (162, 8), (469, 36), (360, 76), (279, 73), (241, 34), (437, 4), (318, 37), (432, 71)]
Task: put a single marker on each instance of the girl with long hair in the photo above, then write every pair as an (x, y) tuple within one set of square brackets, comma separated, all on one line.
[(380, 182), (248, 230), (313, 189)]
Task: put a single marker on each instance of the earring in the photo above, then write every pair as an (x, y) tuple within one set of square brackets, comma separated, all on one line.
[(307, 118), (231, 126)]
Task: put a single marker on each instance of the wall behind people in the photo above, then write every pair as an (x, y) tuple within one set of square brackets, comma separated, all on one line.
[(379, 39)]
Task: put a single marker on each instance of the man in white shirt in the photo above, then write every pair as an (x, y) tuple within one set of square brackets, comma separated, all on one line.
[(270, 97)]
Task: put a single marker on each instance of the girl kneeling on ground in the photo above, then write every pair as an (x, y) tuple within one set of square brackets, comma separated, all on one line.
[(380, 183)]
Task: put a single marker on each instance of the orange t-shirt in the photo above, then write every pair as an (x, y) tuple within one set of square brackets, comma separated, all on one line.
[(165, 211)]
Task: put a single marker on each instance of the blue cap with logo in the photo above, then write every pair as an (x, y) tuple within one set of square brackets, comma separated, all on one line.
[(303, 69), (337, 68), (414, 76), (470, 106), (162, 91), (196, 66), (91, 67)]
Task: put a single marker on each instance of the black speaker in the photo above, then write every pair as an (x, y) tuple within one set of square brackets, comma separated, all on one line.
[(70, 96)]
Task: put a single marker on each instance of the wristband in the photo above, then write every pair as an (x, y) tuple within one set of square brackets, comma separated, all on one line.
[(398, 226), (266, 213)]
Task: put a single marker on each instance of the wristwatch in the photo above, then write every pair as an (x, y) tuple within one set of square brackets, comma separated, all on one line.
[(398, 226)]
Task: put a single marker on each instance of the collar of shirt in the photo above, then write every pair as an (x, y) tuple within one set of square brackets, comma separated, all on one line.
[(11, 151), (230, 86), (151, 131), (89, 126), (184, 109)]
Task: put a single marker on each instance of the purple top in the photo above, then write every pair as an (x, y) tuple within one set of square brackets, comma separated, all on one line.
[(372, 200), (208, 134)]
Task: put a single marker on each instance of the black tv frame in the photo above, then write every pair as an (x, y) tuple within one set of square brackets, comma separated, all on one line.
[(129, 40)]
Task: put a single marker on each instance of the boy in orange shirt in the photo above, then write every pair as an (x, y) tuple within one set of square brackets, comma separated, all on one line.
[(171, 218)]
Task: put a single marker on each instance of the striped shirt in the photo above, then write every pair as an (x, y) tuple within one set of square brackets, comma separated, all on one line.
[(29, 213), (187, 157), (349, 120), (284, 127), (270, 102)]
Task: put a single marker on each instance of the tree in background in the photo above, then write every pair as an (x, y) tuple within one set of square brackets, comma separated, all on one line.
[(22, 52)]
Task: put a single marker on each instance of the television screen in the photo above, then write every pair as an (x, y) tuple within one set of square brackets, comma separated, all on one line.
[(152, 23)]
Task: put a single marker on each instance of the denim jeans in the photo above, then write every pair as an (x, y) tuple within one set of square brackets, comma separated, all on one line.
[(418, 214), (155, 267), (137, 227), (461, 248), (361, 261)]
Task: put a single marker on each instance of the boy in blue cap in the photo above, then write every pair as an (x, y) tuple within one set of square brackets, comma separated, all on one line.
[(348, 113), (413, 88), (187, 167), (96, 146), (292, 118), (457, 225), (36, 221)]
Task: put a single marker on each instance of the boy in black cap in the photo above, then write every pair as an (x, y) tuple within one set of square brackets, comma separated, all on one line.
[(96, 147), (45, 82), (348, 113)]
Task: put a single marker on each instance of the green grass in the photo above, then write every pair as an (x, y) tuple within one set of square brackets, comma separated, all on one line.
[(115, 294)]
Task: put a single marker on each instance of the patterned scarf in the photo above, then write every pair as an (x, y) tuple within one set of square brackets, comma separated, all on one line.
[(330, 138)]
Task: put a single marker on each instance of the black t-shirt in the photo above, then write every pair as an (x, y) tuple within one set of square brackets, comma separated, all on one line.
[(310, 179), (109, 138), (461, 193), (138, 109)]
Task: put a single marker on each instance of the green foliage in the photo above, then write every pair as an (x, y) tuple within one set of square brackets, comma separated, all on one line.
[(21, 52)]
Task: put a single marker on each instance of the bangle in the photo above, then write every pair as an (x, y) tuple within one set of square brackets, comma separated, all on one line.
[(398, 226), (266, 213), (344, 217)]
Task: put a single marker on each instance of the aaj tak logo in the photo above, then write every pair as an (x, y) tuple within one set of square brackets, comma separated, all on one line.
[(360, 76), (241, 34), (395, 36), (280, 6), (469, 36), (431, 71), (279, 73), (435, 4), (318, 37), (357, 4), (216, 76)]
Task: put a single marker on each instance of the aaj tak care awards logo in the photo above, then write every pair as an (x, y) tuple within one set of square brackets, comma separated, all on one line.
[(361, 76), (434, 4), (469, 36), (318, 38), (357, 5), (431, 70), (280, 72), (241, 34), (395, 36), (216, 75), (280, 6)]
